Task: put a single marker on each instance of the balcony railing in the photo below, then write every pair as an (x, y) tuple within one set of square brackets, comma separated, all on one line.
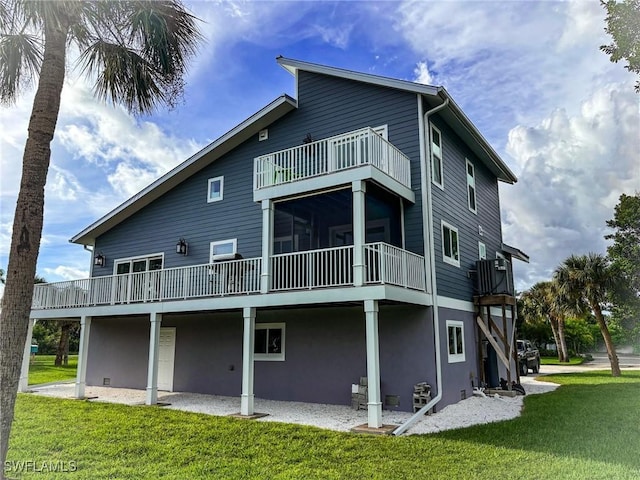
[(325, 268), (350, 150)]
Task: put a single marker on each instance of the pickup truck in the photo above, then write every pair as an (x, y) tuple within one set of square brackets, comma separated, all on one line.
[(528, 357)]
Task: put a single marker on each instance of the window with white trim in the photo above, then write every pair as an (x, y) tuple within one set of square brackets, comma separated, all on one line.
[(268, 342), (450, 245), (436, 157), (455, 338), (482, 251), (471, 187), (215, 188), (224, 250)]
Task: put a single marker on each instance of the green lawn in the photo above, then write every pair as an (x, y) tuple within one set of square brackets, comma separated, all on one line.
[(588, 428), (42, 369), (554, 361)]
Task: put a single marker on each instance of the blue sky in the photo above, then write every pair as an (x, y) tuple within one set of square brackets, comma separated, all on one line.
[(528, 74)]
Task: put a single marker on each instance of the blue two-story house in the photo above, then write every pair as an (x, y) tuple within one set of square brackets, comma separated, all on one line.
[(328, 237)]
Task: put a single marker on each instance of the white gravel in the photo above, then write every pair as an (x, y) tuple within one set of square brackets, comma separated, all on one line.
[(472, 411)]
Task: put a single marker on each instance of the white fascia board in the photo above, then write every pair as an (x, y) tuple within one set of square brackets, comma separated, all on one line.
[(293, 66), (265, 116)]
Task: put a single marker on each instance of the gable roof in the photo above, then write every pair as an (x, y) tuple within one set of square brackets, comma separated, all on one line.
[(234, 137), (434, 96)]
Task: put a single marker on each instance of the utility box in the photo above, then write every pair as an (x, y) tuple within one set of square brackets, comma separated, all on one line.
[(494, 277)]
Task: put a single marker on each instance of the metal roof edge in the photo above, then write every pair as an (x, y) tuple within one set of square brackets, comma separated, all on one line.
[(515, 252), (284, 100)]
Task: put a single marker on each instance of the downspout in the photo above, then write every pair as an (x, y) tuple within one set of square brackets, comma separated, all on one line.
[(428, 234), (91, 250)]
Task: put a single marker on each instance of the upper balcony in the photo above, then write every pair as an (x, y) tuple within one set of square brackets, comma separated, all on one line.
[(358, 155), (328, 268)]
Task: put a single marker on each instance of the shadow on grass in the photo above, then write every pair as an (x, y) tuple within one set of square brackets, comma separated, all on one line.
[(592, 416)]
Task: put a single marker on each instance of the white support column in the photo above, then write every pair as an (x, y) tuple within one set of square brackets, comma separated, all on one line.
[(246, 399), (83, 351), (23, 386), (267, 245), (359, 189), (374, 405), (152, 375)]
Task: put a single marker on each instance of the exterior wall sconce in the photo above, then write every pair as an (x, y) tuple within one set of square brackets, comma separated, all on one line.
[(99, 260), (182, 247)]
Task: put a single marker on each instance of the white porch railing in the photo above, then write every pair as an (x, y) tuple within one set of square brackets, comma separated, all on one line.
[(392, 265), (349, 150), (331, 267)]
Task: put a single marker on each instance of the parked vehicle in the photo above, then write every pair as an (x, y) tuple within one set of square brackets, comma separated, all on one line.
[(528, 357)]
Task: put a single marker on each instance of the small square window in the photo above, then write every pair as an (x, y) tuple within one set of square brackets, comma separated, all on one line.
[(224, 249), (455, 337), (215, 189), (269, 342), (450, 246)]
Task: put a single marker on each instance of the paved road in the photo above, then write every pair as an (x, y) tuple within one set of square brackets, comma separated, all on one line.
[(600, 362)]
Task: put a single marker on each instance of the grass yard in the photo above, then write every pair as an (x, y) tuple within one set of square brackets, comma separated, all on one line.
[(588, 428), (42, 369), (554, 361)]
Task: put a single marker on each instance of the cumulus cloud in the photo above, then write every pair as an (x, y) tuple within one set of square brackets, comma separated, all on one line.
[(572, 170), (63, 272), (422, 74)]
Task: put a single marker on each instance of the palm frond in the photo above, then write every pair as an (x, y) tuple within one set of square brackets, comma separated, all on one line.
[(123, 76), (20, 60)]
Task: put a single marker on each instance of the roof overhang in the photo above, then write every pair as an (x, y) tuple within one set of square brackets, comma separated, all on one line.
[(227, 142), (515, 252), (434, 96)]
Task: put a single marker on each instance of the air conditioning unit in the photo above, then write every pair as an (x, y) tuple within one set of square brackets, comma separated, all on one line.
[(494, 277)]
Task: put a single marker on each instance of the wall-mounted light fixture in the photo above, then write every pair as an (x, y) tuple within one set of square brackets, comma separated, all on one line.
[(182, 247), (99, 260)]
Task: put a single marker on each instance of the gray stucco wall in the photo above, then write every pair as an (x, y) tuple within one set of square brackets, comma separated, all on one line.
[(325, 354)]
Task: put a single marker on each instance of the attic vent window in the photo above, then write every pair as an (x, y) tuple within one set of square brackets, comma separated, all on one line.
[(263, 135)]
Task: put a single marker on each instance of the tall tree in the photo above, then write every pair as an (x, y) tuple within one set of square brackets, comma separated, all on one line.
[(544, 301), (137, 51), (625, 250), (589, 280), (623, 24)]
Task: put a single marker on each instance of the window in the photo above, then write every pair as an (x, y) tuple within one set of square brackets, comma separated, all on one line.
[(436, 157), (215, 189), (471, 187), (224, 250), (482, 251), (269, 342), (455, 336), (450, 250)]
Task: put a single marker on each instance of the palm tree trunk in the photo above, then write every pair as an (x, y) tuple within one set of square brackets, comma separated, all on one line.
[(554, 329), (62, 354), (564, 353), (27, 226), (611, 349)]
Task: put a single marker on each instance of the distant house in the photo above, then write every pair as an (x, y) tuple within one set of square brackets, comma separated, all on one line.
[(328, 237)]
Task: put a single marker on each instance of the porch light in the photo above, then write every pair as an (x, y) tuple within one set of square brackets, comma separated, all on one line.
[(99, 260), (182, 247)]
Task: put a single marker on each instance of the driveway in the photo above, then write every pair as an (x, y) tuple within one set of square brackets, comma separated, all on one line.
[(600, 362)]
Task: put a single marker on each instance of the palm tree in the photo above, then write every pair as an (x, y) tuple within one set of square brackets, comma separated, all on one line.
[(137, 52), (544, 301), (588, 279)]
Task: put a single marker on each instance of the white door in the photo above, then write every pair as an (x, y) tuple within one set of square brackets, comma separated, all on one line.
[(166, 356)]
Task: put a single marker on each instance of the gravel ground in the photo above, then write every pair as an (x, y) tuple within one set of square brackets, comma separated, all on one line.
[(472, 411)]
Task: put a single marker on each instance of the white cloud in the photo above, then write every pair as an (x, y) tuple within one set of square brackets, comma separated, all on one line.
[(422, 74), (572, 170), (62, 272)]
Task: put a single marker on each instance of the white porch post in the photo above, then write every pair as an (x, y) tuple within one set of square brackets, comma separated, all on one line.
[(358, 188), (23, 386), (373, 364), (83, 351), (267, 245), (152, 375), (246, 399)]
